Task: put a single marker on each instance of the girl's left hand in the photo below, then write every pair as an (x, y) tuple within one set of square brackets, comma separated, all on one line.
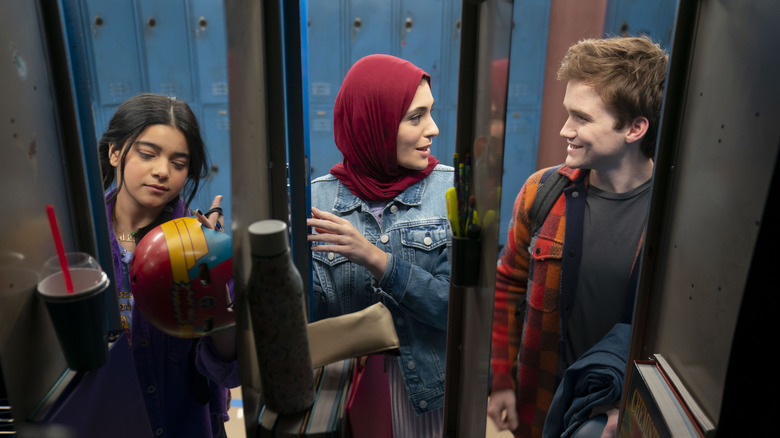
[(213, 218)]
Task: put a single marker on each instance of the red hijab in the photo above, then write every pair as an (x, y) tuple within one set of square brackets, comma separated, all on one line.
[(372, 101)]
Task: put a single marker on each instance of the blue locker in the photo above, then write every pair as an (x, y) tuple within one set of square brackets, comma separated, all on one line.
[(325, 57), (636, 17), (426, 33), (322, 149), (206, 22), (424, 38), (524, 101), (369, 26), (215, 125), (117, 67), (520, 147), (164, 36), (445, 89), (419, 35), (205, 28)]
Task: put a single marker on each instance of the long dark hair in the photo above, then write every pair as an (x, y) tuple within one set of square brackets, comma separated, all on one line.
[(132, 118)]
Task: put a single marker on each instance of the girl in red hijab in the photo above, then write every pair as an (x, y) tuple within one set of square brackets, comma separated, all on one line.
[(381, 229)]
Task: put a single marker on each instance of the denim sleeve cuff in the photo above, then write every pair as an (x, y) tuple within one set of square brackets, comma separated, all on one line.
[(211, 365), (396, 277)]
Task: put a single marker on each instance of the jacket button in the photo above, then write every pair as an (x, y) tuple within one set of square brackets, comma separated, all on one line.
[(400, 321), (331, 256), (423, 404), (144, 342), (427, 241), (571, 253), (393, 209), (150, 389), (411, 365), (384, 238), (159, 431), (575, 194), (538, 251)]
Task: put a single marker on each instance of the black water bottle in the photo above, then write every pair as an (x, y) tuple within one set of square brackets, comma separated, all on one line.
[(276, 305)]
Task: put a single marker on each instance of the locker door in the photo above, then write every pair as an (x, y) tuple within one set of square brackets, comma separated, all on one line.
[(163, 30), (327, 67), (636, 17), (215, 125), (524, 102), (206, 27), (369, 25), (419, 33), (116, 60), (418, 38), (450, 40), (446, 87), (322, 148), (520, 146), (206, 33), (326, 59)]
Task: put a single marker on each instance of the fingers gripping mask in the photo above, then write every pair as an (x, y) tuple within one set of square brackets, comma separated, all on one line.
[(180, 275)]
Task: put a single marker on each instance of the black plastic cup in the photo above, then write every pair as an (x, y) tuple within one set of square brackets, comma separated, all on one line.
[(79, 319)]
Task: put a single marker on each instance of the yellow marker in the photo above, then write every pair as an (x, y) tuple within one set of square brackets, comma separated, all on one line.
[(452, 210), (490, 216)]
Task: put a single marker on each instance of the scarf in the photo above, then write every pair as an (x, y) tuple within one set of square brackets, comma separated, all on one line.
[(372, 101)]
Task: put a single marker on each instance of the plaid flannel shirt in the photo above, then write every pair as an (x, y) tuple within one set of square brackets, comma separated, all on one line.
[(541, 332)]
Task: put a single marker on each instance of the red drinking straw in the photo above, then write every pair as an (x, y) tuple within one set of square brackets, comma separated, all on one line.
[(55, 232)]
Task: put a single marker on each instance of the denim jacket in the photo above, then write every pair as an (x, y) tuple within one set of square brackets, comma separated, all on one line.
[(416, 283)]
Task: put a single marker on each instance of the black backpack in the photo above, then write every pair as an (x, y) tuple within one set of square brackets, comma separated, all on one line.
[(550, 188)]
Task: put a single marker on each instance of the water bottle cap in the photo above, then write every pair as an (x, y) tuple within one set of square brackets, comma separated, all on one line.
[(268, 238)]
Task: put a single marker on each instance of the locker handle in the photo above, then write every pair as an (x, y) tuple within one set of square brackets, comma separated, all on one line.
[(355, 27), (201, 27), (407, 28), (96, 23)]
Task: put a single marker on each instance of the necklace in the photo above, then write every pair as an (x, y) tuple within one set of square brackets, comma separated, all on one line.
[(129, 237)]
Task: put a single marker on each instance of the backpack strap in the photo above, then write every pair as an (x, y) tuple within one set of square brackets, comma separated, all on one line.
[(551, 186)]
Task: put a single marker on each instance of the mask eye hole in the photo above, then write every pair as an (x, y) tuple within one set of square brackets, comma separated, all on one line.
[(204, 274)]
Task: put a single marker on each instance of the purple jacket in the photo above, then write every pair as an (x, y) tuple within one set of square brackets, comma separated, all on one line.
[(175, 373)]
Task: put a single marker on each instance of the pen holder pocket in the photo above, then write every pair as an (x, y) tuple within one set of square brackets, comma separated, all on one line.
[(466, 256)]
